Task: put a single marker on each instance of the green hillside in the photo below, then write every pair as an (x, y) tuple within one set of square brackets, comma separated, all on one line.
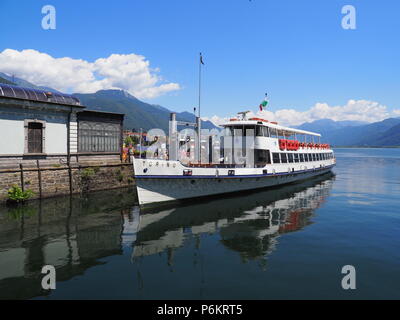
[(138, 114), (5, 81)]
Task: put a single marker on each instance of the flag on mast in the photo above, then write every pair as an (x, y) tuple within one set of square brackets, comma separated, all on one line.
[(201, 59), (264, 103)]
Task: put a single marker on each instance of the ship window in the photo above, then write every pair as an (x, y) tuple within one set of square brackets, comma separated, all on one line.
[(317, 156), (275, 157), (301, 157), (290, 157), (272, 132), (266, 131), (314, 157), (259, 131), (262, 157), (229, 131), (238, 131), (296, 157), (283, 158)]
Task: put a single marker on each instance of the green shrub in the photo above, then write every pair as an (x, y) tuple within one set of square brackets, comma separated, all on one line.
[(15, 194), (87, 173), (120, 177)]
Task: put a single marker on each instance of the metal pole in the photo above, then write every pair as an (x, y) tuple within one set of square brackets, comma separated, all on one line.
[(199, 82), (199, 119), (140, 144), (198, 122)]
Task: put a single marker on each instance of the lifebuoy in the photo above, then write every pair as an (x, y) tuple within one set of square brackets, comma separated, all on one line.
[(282, 144), (289, 144)]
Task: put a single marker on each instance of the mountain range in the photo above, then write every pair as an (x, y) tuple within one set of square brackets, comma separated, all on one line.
[(384, 133), (139, 114), (4, 78)]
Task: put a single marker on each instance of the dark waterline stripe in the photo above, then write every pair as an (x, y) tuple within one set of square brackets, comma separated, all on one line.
[(230, 177)]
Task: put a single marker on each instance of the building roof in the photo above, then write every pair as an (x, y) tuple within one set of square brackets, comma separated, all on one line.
[(16, 92), (93, 115)]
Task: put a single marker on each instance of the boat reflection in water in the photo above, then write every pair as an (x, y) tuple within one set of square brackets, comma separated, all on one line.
[(248, 224), (77, 234)]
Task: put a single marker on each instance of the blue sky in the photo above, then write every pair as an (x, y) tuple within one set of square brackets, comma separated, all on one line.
[(295, 50)]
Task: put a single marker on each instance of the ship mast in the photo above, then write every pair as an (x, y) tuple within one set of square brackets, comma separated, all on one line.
[(198, 119)]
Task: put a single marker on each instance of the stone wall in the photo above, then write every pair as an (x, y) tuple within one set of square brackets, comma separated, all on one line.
[(57, 179)]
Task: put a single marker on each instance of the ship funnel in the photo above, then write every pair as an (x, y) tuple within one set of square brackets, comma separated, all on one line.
[(173, 137)]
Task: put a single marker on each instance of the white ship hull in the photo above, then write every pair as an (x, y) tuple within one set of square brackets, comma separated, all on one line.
[(161, 181)]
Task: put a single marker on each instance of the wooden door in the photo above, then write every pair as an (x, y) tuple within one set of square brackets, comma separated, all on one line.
[(35, 137)]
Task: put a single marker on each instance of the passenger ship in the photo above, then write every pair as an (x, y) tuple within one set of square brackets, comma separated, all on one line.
[(282, 155)]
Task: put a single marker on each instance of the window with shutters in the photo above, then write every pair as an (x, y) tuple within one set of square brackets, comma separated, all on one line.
[(98, 137)]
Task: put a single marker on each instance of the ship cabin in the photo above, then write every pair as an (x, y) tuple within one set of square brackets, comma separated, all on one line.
[(273, 143)]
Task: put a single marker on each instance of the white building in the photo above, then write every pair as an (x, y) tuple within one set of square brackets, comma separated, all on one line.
[(36, 124)]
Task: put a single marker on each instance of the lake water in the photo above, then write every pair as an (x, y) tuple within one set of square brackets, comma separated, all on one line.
[(284, 243)]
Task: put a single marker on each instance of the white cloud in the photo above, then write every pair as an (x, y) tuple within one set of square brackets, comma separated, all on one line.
[(130, 72), (358, 110)]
